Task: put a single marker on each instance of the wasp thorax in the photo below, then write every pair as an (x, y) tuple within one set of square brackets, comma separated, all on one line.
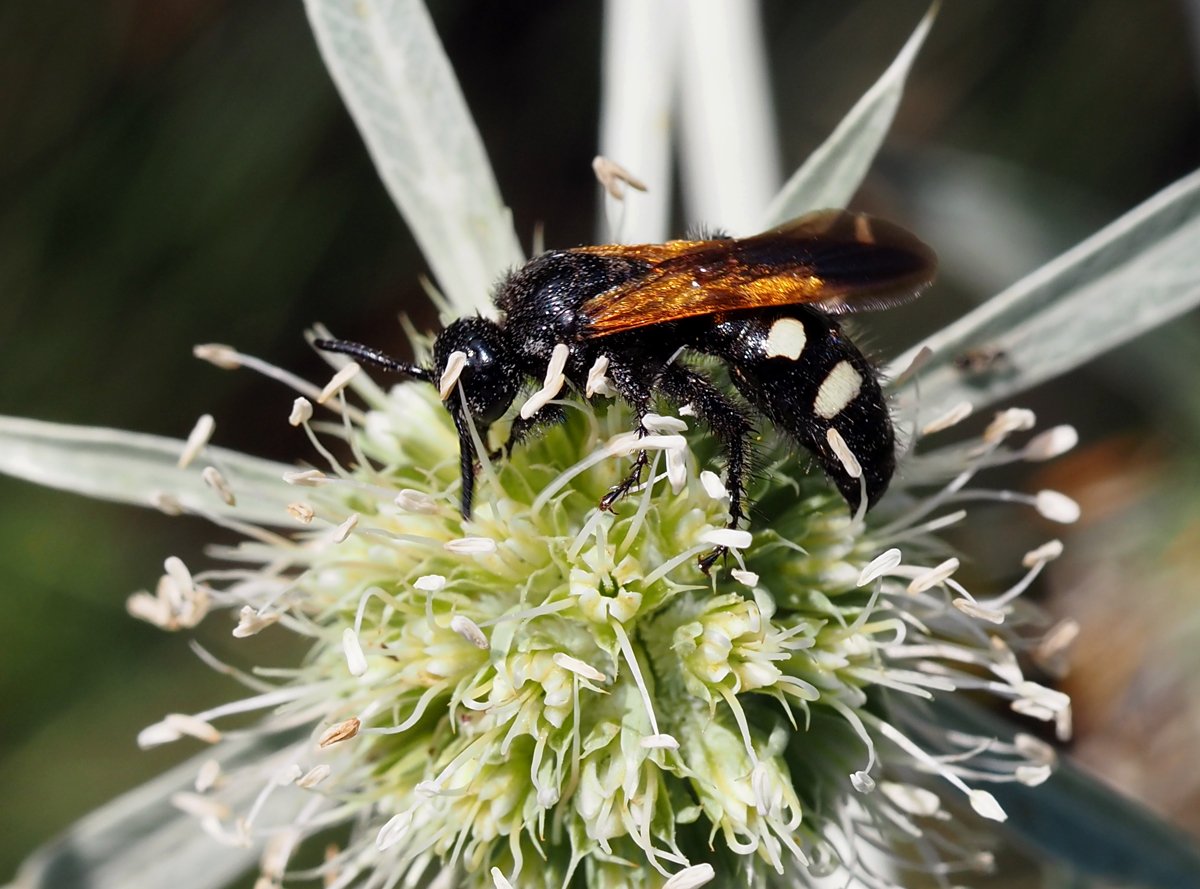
[(487, 372)]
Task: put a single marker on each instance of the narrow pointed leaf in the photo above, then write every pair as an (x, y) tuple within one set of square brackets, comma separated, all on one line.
[(730, 171), (392, 72), (141, 841), (139, 469), (832, 174), (1137, 273), (637, 85)]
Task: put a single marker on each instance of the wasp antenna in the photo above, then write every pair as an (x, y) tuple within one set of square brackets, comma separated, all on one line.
[(375, 357)]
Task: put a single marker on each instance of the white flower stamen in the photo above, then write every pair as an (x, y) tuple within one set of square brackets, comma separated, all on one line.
[(597, 381), (302, 411), (213, 478), (552, 384), (456, 361), (338, 382), (197, 440)]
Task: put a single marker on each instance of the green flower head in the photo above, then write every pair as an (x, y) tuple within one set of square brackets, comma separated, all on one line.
[(548, 691)]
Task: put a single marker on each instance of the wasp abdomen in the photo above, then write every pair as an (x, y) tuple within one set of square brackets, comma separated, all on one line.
[(797, 367)]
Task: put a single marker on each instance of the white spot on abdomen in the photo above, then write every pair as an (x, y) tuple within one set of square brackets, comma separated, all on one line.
[(786, 339), (839, 389)]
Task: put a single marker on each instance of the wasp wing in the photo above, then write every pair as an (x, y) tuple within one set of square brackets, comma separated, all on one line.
[(834, 260)]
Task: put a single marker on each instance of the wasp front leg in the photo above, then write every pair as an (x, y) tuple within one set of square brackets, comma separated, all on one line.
[(632, 386)]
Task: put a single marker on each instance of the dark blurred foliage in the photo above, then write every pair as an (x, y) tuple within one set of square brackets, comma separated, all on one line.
[(180, 172)]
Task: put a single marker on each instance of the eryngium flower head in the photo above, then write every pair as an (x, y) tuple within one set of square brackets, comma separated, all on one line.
[(551, 695)]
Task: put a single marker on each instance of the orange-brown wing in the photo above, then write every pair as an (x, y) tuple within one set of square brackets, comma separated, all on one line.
[(834, 260)]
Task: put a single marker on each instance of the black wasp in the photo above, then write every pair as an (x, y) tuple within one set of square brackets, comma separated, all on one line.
[(763, 305)]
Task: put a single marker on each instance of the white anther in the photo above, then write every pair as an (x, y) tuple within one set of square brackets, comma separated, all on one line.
[(224, 357), (932, 577), (429, 583), (746, 578), (200, 806), (663, 424), (879, 566), (1051, 443), (597, 382), (551, 385), (952, 417), (470, 545), (188, 725), (415, 501), (978, 611), (661, 741), (213, 478), (302, 411), (455, 363), (1057, 507), (343, 731), (862, 782), (1047, 552), (301, 512), (842, 451), (985, 804), (250, 622), (314, 776), (342, 531), (676, 469), (356, 661), (197, 440), (339, 381), (394, 831), (470, 631), (690, 877), (1015, 419), (614, 177), (733, 538), (713, 486), (304, 478), (208, 776), (578, 667)]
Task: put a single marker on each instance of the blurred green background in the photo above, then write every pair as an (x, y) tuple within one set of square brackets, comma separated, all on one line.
[(182, 172)]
